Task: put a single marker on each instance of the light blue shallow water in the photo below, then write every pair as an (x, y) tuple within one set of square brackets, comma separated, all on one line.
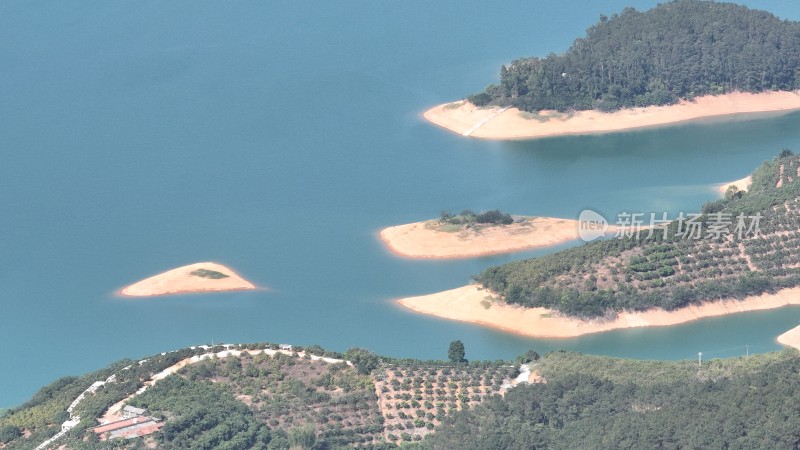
[(278, 138)]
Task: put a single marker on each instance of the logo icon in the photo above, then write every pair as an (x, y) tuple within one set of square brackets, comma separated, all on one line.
[(591, 225)]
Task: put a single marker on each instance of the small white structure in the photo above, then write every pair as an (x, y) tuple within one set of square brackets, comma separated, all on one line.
[(129, 412), (70, 424), (285, 347)]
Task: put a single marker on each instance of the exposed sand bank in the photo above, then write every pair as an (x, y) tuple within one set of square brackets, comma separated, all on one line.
[(183, 281), (496, 123), (791, 338), (425, 240), (476, 305), (742, 185)]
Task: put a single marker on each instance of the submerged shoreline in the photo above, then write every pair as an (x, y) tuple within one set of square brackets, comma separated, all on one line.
[(510, 123), (475, 304)]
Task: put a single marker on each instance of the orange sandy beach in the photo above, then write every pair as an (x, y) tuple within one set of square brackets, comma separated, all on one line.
[(474, 304), (510, 123), (742, 185), (791, 338), (187, 279), (425, 240)]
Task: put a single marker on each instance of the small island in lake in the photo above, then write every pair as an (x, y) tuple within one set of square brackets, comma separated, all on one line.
[(469, 234), (194, 278), (679, 61), (741, 254)]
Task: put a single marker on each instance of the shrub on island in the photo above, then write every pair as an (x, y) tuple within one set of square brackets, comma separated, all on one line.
[(469, 217)]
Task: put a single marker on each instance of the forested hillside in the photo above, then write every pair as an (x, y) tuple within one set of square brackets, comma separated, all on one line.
[(592, 402), (678, 50), (259, 397), (678, 267), (249, 399)]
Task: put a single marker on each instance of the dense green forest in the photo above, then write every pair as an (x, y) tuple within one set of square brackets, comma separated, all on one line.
[(254, 400), (677, 50), (593, 402), (672, 269)]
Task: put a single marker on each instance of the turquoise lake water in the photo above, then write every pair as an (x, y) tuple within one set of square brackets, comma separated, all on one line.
[(278, 138)]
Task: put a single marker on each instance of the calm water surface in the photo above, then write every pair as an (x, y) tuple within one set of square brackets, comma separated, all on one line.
[(278, 138)]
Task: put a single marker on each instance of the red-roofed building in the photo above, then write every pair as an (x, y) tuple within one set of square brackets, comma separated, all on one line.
[(128, 428)]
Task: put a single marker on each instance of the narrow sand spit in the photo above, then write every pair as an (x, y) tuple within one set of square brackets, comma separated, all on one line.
[(477, 305), (491, 123), (425, 240), (194, 278)]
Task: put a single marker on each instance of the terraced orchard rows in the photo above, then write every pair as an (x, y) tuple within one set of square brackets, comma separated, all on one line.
[(746, 243), (260, 396), (415, 399)]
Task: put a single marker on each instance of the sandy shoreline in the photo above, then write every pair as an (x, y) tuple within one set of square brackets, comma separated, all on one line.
[(497, 123), (790, 338), (422, 240), (742, 185), (476, 305), (183, 281)]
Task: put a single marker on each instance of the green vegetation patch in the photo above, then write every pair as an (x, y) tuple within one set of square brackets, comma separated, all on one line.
[(468, 218), (205, 273), (454, 105)]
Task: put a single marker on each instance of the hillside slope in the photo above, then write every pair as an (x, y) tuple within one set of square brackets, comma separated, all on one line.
[(744, 244), (677, 50)]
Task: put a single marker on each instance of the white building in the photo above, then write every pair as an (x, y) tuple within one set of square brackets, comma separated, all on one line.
[(129, 412)]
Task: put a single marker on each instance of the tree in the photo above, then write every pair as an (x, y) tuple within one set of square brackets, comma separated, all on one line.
[(481, 99), (8, 433), (315, 350), (363, 360), (302, 438), (456, 352), (527, 357)]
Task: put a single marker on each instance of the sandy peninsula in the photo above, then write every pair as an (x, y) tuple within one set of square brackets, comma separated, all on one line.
[(510, 123), (477, 305), (742, 185), (791, 338), (427, 240), (194, 278)]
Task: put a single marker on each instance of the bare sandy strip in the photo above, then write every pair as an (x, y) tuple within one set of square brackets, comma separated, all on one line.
[(474, 304), (791, 338), (424, 240), (742, 185), (462, 116), (182, 281)]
